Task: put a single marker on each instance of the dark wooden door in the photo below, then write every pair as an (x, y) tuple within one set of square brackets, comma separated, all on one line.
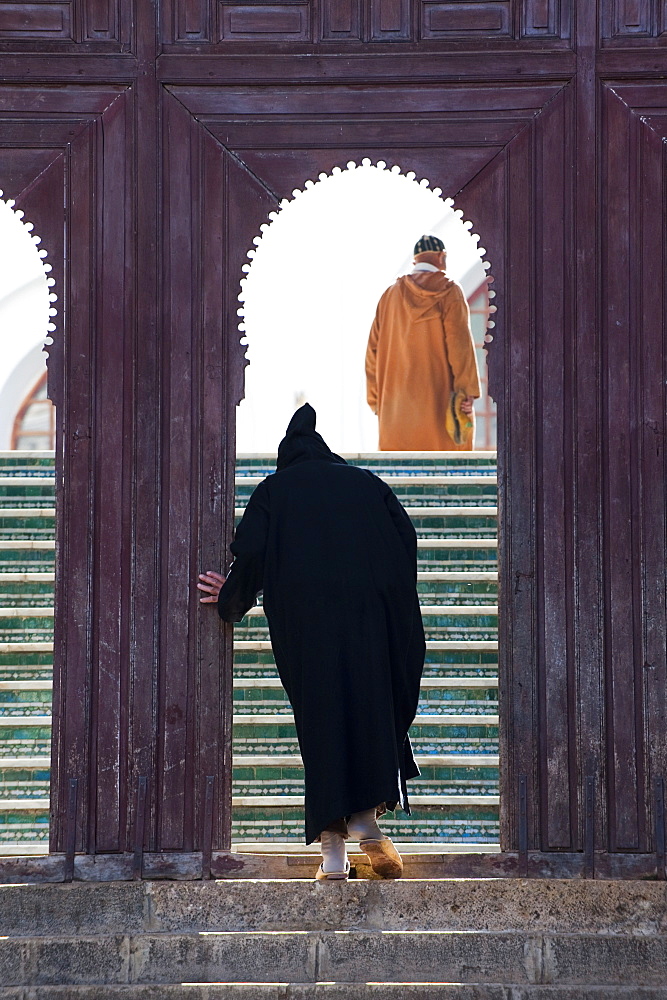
[(148, 162)]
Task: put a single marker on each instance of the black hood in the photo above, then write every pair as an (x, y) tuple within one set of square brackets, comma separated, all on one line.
[(302, 443)]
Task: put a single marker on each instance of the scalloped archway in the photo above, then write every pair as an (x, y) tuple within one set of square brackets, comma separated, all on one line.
[(311, 287)]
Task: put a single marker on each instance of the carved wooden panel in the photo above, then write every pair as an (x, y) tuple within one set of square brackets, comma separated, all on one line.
[(463, 19), (107, 23), (341, 20), (220, 22), (240, 21), (35, 20), (545, 18), (633, 21)]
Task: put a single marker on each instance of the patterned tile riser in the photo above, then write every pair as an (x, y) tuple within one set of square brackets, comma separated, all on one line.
[(25, 742), (452, 633), (439, 663), (21, 783), (255, 701), (422, 745), (421, 496), (449, 824), (24, 827), (26, 667)]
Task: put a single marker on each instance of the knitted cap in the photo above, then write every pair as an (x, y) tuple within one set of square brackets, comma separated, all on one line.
[(426, 243)]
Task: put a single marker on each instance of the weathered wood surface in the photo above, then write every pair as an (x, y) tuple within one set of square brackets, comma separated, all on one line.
[(183, 866), (147, 163)]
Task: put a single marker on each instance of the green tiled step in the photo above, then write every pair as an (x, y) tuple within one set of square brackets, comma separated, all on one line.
[(432, 733), (19, 624), (436, 700), (457, 784), (439, 663), (455, 824), (24, 736), (19, 827), (36, 666)]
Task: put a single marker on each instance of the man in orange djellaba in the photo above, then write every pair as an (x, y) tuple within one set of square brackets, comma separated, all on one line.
[(421, 369)]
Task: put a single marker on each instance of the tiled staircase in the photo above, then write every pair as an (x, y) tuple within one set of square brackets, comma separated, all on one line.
[(26, 648), (455, 801), (452, 501)]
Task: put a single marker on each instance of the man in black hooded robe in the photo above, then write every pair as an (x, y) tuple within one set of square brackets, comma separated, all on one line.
[(335, 555)]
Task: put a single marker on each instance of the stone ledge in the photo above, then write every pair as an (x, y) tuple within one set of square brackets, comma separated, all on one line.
[(491, 905), (335, 991), (331, 956)]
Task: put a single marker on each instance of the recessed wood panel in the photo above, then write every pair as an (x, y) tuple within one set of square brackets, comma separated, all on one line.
[(267, 21), (192, 20), (390, 20), (340, 19), (545, 18), (35, 20), (100, 20), (461, 19), (629, 19)]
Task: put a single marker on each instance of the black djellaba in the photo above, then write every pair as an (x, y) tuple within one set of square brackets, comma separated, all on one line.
[(335, 555)]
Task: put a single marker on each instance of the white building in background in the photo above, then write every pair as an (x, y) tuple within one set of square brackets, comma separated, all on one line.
[(306, 306), (26, 416)]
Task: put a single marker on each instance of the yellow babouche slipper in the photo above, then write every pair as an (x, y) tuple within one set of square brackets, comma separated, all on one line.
[(383, 856)]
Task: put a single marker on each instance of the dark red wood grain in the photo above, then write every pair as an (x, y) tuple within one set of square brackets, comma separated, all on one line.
[(147, 167)]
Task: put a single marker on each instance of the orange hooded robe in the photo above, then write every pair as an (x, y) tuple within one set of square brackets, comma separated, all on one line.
[(420, 350)]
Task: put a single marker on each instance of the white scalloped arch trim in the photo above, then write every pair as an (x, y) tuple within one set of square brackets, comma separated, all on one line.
[(314, 274), (46, 266)]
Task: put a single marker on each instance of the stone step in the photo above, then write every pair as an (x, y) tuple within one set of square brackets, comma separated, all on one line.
[(452, 479), (258, 612), (38, 479), (262, 644), (434, 511), (344, 956), (24, 805), (335, 991), (632, 909), (26, 647), (25, 762), (27, 544), (294, 801), (21, 512), (26, 612), (45, 577)]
